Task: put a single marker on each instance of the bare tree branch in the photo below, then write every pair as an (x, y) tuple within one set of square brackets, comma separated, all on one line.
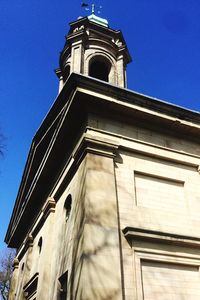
[(6, 262)]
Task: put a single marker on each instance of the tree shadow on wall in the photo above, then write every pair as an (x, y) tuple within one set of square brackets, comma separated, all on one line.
[(95, 270)]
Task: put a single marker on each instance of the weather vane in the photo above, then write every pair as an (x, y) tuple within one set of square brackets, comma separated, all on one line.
[(94, 8)]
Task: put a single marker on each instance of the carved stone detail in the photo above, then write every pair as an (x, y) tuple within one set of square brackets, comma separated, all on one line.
[(29, 241), (117, 42), (15, 264), (78, 29), (49, 207)]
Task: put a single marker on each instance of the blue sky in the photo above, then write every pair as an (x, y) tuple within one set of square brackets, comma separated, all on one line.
[(163, 38)]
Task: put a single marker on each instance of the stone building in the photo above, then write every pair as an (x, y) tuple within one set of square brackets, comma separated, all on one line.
[(108, 206)]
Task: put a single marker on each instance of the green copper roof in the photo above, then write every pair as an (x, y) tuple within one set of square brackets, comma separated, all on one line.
[(98, 20)]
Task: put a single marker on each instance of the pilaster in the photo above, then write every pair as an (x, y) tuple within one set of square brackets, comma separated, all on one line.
[(100, 275), (77, 57), (121, 72)]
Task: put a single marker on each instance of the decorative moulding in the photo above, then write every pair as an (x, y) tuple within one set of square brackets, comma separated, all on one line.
[(132, 233), (49, 207)]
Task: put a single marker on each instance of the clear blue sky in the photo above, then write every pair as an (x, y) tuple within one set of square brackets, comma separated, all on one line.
[(163, 38)]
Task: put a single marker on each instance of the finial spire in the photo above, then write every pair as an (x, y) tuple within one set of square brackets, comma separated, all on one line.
[(93, 17), (93, 7)]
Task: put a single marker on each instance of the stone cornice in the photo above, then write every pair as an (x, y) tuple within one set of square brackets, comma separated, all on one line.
[(95, 146), (85, 145), (146, 235), (133, 145), (124, 95)]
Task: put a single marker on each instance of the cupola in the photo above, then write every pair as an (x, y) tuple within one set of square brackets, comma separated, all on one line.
[(93, 49)]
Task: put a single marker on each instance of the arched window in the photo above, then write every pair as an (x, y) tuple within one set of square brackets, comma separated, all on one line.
[(63, 286), (22, 268), (40, 245), (67, 206), (100, 68)]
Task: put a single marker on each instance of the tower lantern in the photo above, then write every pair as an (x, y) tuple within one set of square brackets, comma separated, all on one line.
[(93, 49)]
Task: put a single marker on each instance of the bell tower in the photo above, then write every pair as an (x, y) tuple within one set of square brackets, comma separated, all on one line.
[(93, 49)]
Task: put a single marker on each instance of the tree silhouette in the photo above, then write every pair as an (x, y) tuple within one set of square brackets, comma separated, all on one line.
[(6, 262)]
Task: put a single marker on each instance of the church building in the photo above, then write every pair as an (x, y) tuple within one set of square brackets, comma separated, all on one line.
[(109, 202)]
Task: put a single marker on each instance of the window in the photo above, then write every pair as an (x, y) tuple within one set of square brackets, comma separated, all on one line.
[(30, 289), (67, 206), (63, 286), (40, 245), (22, 268), (165, 265), (100, 68)]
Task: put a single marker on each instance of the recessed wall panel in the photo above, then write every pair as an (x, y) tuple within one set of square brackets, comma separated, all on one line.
[(166, 281), (159, 193)]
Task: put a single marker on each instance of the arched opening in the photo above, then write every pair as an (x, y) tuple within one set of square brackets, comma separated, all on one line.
[(63, 286), (66, 72), (67, 206), (40, 245), (100, 68), (22, 268)]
